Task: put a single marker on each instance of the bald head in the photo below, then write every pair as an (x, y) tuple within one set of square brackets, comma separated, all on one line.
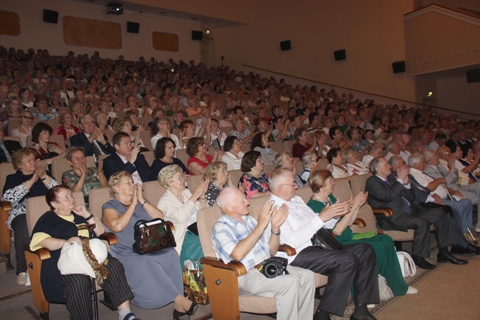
[(444, 152), (228, 195)]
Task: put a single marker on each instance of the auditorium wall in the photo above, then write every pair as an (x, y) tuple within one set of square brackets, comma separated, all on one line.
[(38, 34), (371, 32)]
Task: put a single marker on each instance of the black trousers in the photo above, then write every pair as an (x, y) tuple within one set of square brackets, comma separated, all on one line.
[(20, 229), (77, 289), (355, 265)]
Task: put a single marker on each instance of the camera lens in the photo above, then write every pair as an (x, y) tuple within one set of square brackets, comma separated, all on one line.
[(271, 271)]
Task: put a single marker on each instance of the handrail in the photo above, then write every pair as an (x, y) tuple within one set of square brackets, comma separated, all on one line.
[(364, 92)]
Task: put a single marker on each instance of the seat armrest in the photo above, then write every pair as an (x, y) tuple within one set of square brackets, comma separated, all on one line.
[(387, 212), (360, 223), (42, 253), (290, 251), (6, 206), (111, 238), (235, 266)]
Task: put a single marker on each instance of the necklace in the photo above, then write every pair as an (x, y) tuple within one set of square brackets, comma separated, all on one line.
[(316, 197)]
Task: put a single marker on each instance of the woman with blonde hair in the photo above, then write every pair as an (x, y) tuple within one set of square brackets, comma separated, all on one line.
[(180, 206), (154, 278), (219, 178)]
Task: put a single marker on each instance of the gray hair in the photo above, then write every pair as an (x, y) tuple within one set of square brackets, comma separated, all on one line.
[(391, 145), (278, 161), (276, 178), (374, 164), (415, 158), (346, 155), (307, 158), (82, 119), (166, 174), (428, 154)]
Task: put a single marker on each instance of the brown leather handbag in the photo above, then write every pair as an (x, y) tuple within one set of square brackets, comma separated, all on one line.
[(153, 235)]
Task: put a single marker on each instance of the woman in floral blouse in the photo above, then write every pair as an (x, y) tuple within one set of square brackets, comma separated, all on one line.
[(254, 180), (219, 178), (81, 178)]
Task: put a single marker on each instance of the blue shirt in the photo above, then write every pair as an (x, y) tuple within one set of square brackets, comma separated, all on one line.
[(227, 233)]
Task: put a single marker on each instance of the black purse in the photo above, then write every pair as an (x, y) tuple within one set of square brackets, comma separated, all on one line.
[(324, 239), (153, 235)]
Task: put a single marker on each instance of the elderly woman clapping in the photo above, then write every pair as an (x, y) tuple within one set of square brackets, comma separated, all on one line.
[(30, 180), (180, 206), (155, 278)]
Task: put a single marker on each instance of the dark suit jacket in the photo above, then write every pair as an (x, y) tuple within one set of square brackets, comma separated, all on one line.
[(421, 194), (381, 195), (81, 140), (113, 163), (11, 146)]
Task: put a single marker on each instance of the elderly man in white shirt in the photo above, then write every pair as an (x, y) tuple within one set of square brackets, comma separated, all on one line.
[(429, 176), (354, 265)]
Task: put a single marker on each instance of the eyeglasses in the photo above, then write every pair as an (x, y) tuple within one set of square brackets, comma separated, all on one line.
[(25, 117), (290, 185)]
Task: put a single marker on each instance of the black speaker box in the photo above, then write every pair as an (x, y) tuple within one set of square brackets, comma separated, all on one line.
[(340, 55), (133, 27), (473, 75), (398, 66), (197, 35), (286, 45), (50, 16)]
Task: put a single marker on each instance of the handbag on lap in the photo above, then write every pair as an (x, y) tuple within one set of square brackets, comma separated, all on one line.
[(153, 235)]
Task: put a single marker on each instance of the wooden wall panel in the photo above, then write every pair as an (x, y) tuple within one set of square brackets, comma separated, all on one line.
[(165, 41), (92, 33), (9, 23)]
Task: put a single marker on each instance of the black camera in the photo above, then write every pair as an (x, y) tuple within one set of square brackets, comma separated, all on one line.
[(274, 266)]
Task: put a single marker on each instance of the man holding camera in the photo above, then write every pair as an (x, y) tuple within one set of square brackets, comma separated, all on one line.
[(237, 236), (355, 264)]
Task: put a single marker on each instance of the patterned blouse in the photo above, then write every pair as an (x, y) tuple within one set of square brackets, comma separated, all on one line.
[(42, 153), (254, 185), (212, 193), (92, 181)]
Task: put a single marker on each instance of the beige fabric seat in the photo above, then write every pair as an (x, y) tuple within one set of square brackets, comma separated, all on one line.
[(61, 165)]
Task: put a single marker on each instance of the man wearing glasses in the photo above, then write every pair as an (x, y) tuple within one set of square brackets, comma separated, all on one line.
[(353, 265)]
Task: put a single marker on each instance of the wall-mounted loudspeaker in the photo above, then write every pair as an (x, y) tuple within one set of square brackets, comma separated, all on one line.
[(340, 55), (473, 75), (398, 66), (50, 16), (197, 35), (286, 45), (133, 27)]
